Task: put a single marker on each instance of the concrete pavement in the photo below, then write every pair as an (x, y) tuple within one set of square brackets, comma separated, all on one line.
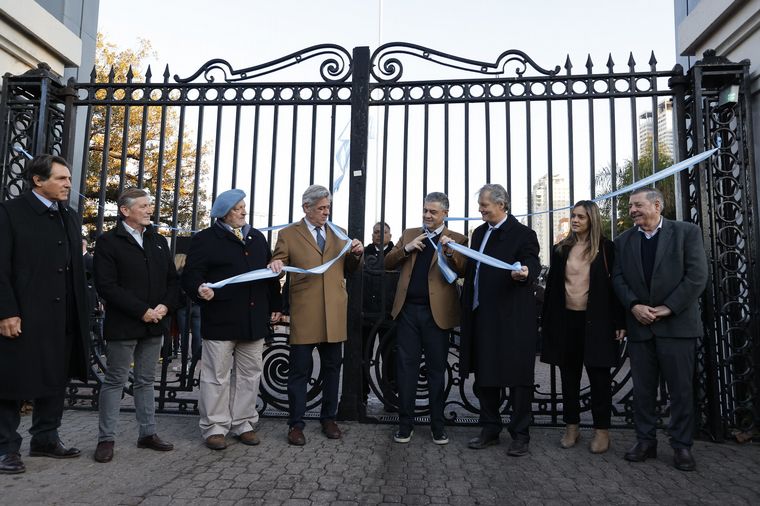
[(366, 467)]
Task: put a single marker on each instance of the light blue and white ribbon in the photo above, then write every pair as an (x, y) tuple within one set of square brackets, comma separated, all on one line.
[(493, 262), (647, 181), (259, 274), (448, 273), (483, 258)]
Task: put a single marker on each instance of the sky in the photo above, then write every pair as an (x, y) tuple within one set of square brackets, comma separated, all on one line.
[(187, 33)]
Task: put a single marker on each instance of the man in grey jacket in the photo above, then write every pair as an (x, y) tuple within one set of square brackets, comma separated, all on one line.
[(659, 274)]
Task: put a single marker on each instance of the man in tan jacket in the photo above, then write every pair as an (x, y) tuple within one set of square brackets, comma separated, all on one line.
[(318, 307), (426, 308)]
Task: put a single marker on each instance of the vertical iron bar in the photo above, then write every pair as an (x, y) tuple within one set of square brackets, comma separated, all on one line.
[(178, 176), (592, 154), (405, 152), (655, 128), (613, 167), (313, 143), (634, 136), (487, 106), (144, 127), (424, 146), (350, 406), (293, 142), (235, 147), (85, 162), (446, 148), (40, 135), (549, 173), (161, 153), (104, 166), (528, 163), (254, 163), (331, 176), (217, 151), (466, 162), (570, 153), (197, 170), (125, 134), (385, 168), (508, 142), (273, 166)]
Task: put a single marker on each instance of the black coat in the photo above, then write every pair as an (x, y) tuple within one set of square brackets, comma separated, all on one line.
[(131, 280), (240, 311), (506, 346), (35, 251), (604, 313)]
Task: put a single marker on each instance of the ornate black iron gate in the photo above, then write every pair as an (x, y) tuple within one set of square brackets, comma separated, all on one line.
[(549, 135)]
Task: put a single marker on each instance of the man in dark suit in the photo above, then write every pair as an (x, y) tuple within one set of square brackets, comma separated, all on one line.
[(135, 276), (378, 292), (659, 274), (499, 321), (43, 310), (426, 308), (235, 319)]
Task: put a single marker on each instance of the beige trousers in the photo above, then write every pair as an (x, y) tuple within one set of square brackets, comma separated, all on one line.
[(229, 386)]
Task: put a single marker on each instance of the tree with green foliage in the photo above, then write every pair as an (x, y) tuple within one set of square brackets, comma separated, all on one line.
[(624, 177)]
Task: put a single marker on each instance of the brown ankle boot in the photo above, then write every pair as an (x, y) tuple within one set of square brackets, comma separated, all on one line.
[(601, 441), (571, 436)]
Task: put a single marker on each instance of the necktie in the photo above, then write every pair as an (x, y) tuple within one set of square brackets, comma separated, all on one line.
[(237, 233), (475, 298), (320, 239)]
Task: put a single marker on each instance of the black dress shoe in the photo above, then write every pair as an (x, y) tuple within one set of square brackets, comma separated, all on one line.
[(154, 443), (54, 450), (683, 460), (518, 448), (480, 442), (641, 451), (10, 463)]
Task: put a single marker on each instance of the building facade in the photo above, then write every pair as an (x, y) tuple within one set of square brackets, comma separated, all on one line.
[(732, 29)]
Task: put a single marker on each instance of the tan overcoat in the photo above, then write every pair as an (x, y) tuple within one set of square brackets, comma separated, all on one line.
[(444, 298), (318, 303)]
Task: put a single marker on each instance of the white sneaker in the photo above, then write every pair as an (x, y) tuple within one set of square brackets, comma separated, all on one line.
[(440, 439), (403, 437)]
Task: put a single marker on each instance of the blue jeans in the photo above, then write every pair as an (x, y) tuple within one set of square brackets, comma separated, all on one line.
[(195, 327), (120, 355)]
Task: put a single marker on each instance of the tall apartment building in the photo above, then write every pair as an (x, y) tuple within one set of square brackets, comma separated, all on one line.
[(664, 128), (557, 223)]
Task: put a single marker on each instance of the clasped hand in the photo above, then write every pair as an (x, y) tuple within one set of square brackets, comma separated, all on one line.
[(647, 315), (156, 314)]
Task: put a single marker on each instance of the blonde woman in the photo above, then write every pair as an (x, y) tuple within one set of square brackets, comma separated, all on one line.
[(582, 322)]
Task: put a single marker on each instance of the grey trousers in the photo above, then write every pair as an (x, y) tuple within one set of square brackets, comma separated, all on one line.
[(120, 355), (673, 358)]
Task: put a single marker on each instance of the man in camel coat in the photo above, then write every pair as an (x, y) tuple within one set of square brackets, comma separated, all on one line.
[(318, 308)]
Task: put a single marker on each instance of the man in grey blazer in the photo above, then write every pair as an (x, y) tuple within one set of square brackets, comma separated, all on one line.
[(659, 274)]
